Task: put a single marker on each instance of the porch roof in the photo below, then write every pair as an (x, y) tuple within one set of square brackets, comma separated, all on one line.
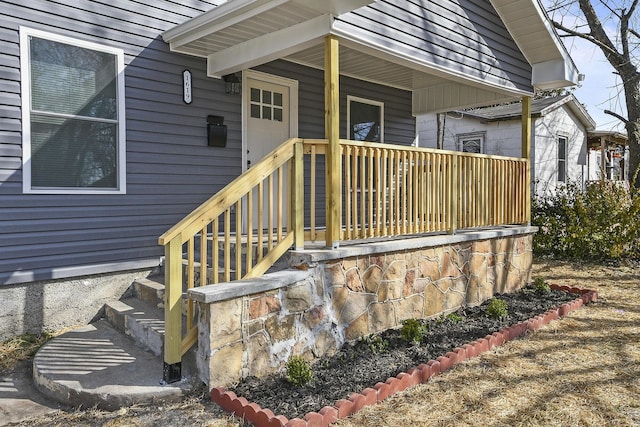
[(241, 34), (539, 107)]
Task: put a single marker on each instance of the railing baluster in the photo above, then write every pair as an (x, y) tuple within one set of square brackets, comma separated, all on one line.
[(215, 252), (398, 176), (347, 193), (239, 239), (312, 194), (281, 193), (260, 220), (385, 192), (379, 191), (363, 177), (203, 257), (270, 212), (227, 245), (370, 191), (249, 255)]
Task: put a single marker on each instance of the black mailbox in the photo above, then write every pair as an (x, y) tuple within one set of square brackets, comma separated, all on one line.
[(216, 131)]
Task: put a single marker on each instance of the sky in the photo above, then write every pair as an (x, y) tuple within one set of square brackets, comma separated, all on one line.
[(601, 89)]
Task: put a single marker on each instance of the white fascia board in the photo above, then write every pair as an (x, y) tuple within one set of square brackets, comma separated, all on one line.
[(227, 14), (542, 19), (383, 50), (334, 7), (554, 74), (269, 47)]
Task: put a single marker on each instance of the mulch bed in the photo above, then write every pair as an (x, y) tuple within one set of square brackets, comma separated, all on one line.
[(360, 365)]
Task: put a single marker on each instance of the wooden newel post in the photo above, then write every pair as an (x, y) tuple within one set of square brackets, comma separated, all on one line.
[(332, 132), (526, 154), (172, 370)]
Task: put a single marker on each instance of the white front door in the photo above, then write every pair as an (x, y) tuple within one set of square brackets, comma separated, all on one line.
[(270, 117)]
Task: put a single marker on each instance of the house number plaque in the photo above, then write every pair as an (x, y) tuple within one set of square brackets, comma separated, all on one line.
[(186, 86)]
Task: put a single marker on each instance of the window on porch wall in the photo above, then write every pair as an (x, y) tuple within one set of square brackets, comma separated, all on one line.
[(365, 122)]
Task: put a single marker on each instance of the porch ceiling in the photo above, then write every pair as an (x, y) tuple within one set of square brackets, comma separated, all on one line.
[(241, 34)]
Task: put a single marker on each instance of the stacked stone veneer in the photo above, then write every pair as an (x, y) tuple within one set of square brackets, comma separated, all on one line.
[(333, 301)]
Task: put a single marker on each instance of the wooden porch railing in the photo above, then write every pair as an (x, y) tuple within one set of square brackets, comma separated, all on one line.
[(387, 190), (198, 250), (391, 190)]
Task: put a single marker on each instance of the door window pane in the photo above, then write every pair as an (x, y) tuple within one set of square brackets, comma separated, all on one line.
[(265, 103)]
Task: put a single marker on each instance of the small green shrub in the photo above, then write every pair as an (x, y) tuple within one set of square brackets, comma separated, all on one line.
[(376, 343), (298, 371), (497, 308), (454, 318), (413, 330), (541, 286)]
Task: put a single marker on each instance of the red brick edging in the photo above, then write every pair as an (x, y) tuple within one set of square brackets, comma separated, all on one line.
[(259, 417)]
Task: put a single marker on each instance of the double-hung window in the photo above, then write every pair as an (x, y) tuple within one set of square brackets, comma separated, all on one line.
[(73, 115), (562, 159)]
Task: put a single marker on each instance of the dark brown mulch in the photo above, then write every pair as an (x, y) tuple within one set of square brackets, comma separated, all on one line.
[(356, 367)]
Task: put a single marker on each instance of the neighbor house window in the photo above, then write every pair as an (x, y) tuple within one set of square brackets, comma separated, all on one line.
[(562, 159), (73, 115), (365, 119), (471, 143)]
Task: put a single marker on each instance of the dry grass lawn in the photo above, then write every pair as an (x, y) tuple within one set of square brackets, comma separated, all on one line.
[(583, 370)]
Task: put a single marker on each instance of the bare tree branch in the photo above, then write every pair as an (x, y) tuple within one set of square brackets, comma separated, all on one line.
[(617, 116), (587, 36)]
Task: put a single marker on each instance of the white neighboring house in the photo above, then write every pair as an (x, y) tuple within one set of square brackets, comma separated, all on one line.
[(608, 156), (559, 131)]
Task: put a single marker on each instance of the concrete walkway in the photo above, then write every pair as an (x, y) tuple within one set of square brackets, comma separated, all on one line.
[(91, 366), (19, 398)]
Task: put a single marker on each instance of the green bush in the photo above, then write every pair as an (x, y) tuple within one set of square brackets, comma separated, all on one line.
[(454, 318), (600, 223), (497, 308), (376, 343), (413, 330), (298, 371), (541, 286)]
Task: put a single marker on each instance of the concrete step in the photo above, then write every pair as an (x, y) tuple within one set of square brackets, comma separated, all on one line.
[(96, 365), (150, 290), (141, 320)]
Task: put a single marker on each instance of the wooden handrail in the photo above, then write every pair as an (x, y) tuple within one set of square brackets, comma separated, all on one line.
[(204, 223), (216, 205)]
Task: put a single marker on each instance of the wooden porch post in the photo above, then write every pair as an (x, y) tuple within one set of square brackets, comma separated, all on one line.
[(172, 370), (526, 154), (332, 133)]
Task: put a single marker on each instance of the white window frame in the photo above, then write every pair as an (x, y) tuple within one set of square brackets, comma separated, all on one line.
[(380, 104), (462, 138), (25, 34), (559, 139)]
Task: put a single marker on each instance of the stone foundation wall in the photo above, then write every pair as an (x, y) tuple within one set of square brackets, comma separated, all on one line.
[(344, 299)]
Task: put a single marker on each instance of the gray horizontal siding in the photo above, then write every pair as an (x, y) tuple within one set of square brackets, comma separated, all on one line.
[(464, 36), (399, 124), (170, 170)]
